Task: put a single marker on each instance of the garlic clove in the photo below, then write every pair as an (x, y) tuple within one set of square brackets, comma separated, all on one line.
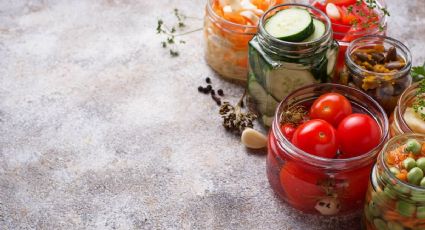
[(332, 11), (253, 139), (227, 9), (328, 206)]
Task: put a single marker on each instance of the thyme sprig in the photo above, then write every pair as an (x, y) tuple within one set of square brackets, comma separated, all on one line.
[(171, 34), (234, 119)]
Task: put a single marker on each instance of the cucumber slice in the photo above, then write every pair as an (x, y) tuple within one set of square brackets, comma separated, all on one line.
[(331, 56), (292, 25), (265, 103), (319, 30), (283, 81)]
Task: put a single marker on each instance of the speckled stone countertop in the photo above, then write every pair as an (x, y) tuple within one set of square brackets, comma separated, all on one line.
[(101, 129)]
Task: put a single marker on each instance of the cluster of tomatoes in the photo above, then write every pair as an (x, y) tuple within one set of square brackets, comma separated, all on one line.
[(332, 130), (348, 16)]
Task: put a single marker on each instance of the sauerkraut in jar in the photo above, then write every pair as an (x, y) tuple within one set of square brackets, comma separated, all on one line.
[(229, 26)]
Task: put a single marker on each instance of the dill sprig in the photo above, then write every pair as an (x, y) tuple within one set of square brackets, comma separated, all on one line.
[(170, 41)]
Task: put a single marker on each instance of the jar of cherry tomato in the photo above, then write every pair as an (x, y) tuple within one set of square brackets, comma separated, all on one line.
[(405, 119), (392, 200), (315, 184), (227, 32), (380, 66), (353, 19), (277, 67)]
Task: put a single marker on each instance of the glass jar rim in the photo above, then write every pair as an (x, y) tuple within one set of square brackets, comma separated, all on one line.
[(362, 72), (233, 24), (387, 169), (262, 30), (321, 161)]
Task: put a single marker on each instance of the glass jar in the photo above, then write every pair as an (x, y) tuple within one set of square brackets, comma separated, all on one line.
[(344, 34), (386, 88), (391, 203), (398, 124), (226, 43), (277, 67), (321, 185)]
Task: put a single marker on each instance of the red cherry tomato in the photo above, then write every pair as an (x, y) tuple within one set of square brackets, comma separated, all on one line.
[(288, 130), (358, 134), (316, 137), (300, 186), (331, 107), (341, 2)]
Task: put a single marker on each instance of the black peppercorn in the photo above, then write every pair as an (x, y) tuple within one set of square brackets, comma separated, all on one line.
[(200, 89), (220, 92), (208, 80), (212, 92), (209, 87)]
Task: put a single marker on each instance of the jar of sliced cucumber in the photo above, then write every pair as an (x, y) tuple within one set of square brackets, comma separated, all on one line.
[(293, 47), (396, 195)]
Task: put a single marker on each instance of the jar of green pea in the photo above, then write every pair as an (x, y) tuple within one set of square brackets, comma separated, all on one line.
[(396, 196)]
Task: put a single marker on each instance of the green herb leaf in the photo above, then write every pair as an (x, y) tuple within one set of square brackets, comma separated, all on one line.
[(418, 73)]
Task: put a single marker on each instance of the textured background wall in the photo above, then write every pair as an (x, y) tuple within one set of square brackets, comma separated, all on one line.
[(101, 128)]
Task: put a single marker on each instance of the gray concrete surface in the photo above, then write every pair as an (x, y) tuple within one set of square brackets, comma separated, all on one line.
[(101, 129)]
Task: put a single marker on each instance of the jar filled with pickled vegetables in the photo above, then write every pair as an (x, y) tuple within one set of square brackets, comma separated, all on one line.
[(352, 19), (228, 27), (322, 145), (293, 48), (396, 194), (380, 66), (409, 115)]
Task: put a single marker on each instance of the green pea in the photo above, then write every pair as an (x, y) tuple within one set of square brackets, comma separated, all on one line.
[(419, 197), (374, 209), (394, 170), (413, 146), (395, 226), (420, 212), (415, 175), (401, 189), (390, 193), (380, 224), (422, 183), (421, 163), (405, 209), (368, 214), (409, 163), (380, 198)]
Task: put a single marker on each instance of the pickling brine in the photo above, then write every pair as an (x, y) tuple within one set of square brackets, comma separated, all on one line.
[(293, 48), (396, 195)]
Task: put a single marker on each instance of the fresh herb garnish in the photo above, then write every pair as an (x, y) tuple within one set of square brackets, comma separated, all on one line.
[(234, 119), (419, 103), (418, 73), (170, 40), (371, 5)]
